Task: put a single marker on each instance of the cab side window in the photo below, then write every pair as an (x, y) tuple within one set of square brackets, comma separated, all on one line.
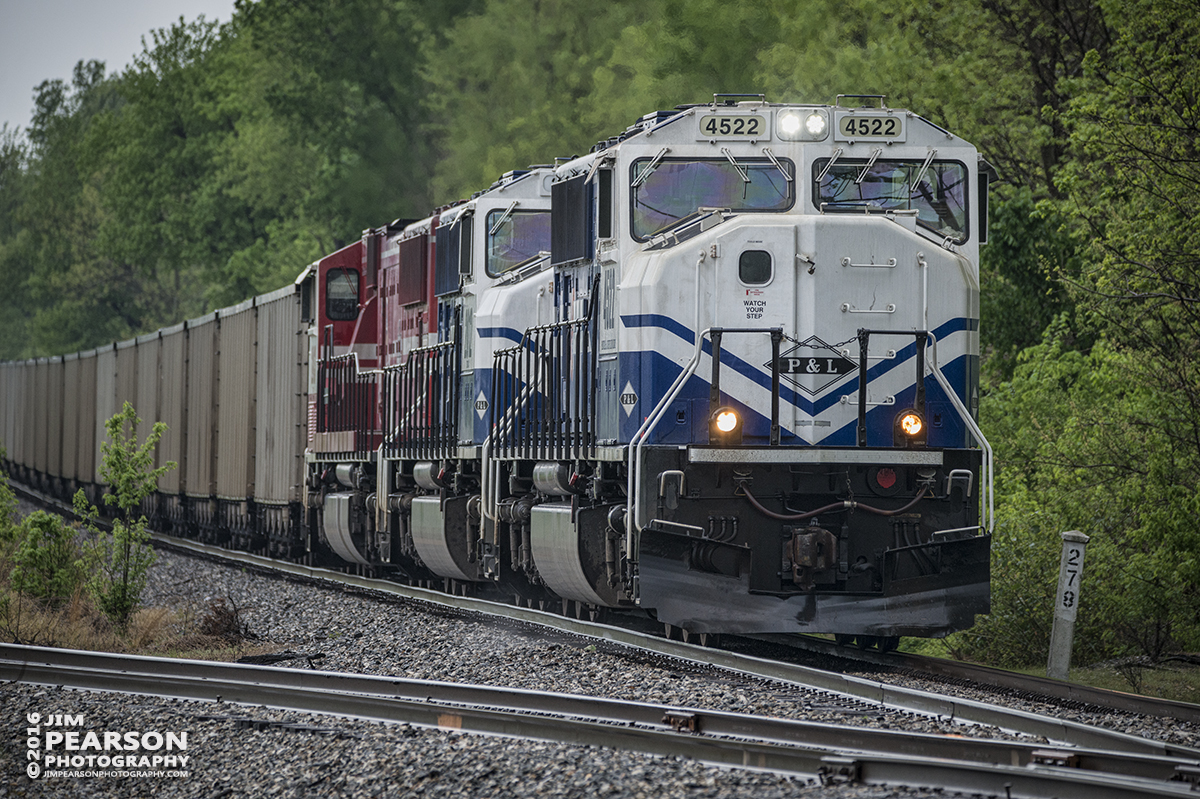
[(341, 295)]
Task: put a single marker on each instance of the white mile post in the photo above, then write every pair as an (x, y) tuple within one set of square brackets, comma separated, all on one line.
[(1066, 604)]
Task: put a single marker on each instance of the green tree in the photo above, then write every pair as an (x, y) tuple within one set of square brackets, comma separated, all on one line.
[(514, 85), (14, 303), (162, 222), (47, 240), (118, 563), (1006, 95), (1031, 247), (1135, 123), (351, 91), (1078, 449), (8, 508)]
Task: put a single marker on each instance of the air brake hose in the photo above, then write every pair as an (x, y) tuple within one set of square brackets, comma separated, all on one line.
[(847, 504)]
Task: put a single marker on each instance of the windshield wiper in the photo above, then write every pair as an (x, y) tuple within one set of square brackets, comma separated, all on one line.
[(778, 165), (874, 157), (650, 167), (736, 165), (836, 155), (507, 213), (924, 169)]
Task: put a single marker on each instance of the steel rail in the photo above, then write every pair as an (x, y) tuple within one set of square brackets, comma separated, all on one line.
[(1058, 731), (1025, 683), (830, 751)]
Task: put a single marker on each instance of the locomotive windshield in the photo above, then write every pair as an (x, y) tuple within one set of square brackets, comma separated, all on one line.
[(937, 191), (667, 191), (514, 238)]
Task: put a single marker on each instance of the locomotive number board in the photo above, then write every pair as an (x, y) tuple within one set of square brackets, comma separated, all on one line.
[(734, 126), (871, 127)]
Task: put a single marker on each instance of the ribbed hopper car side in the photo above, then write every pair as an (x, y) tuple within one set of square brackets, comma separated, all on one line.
[(146, 402), (173, 407), (13, 429), (41, 420), (70, 422), (236, 393), (25, 432), (53, 399), (199, 462), (106, 402), (84, 397), (127, 378), (280, 427)]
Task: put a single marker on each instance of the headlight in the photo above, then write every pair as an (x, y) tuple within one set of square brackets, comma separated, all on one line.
[(725, 428), (803, 124), (909, 430)]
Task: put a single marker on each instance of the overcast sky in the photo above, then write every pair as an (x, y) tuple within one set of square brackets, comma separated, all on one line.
[(44, 39)]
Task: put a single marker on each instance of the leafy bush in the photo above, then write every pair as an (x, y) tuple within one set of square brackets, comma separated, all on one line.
[(8, 508), (118, 562), (46, 562)]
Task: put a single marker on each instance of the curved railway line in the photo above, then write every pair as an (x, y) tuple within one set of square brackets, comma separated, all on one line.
[(829, 752), (1172, 769), (1064, 693)]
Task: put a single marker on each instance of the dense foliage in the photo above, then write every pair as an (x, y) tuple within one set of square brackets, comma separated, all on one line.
[(226, 158), (46, 559)]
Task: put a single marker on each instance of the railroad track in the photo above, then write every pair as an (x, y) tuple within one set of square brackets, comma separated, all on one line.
[(1069, 694), (831, 753), (1059, 731)]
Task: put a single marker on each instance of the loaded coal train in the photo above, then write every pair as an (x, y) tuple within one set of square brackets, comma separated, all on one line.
[(722, 370)]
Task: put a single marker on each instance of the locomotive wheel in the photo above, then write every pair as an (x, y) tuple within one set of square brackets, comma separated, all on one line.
[(889, 643), (867, 641), (843, 639)]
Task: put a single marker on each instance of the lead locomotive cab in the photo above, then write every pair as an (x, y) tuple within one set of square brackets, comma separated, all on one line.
[(804, 454)]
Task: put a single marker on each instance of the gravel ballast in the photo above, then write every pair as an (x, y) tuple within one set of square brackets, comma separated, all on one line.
[(360, 634), (236, 752), (355, 633)]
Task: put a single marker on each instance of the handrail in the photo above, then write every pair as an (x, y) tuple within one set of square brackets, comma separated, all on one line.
[(864, 340), (421, 400), (638, 441), (985, 482), (349, 393), (632, 500)]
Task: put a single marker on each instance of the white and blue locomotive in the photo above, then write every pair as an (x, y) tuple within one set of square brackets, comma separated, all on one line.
[(723, 369)]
